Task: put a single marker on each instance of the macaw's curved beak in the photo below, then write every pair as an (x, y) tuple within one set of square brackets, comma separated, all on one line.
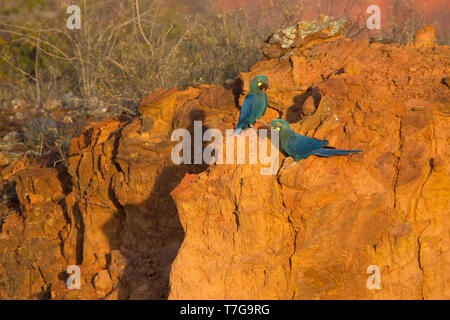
[(263, 86)]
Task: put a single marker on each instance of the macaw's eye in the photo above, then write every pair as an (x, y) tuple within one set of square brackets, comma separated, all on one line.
[(278, 124), (259, 79)]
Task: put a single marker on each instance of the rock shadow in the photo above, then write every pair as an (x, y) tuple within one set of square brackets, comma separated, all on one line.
[(149, 234), (237, 87), (296, 112)]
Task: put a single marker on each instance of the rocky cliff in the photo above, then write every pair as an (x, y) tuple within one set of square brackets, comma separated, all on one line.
[(141, 227)]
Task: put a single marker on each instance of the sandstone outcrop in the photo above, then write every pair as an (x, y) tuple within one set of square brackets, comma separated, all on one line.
[(312, 231), (141, 227)]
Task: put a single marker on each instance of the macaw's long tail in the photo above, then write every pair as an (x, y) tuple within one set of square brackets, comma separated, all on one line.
[(326, 152)]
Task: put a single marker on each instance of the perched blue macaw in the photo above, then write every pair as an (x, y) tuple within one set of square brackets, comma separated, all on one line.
[(255, 104), (301, 147)]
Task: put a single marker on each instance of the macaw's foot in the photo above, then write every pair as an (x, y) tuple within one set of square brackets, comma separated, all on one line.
[(289, 162), (293, 164), (261, 124), (258, 125)]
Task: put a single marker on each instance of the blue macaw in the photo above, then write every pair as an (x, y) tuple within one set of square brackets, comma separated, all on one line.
[(255, 104), (301, 147)]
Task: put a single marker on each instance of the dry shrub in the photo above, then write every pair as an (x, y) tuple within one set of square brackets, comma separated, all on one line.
[(124, 50)]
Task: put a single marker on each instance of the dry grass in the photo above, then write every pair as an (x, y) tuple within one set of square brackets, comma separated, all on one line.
[(124, 50)]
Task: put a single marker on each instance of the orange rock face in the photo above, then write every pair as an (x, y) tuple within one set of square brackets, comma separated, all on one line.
[(140, 227), (312, 231)]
